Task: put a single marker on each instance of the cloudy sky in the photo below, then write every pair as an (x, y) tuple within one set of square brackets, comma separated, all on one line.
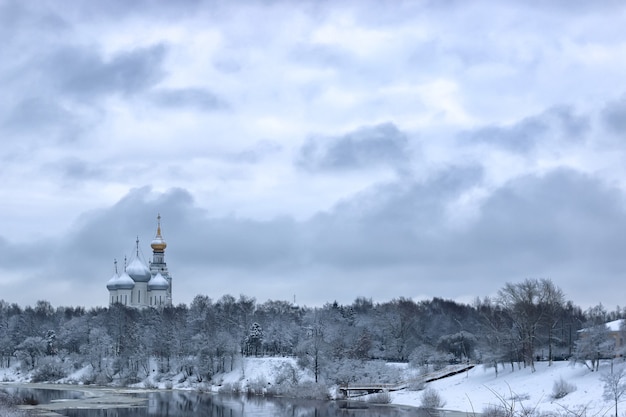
[(321, 149)]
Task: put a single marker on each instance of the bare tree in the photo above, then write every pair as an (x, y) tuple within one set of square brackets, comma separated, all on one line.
[(312, 348), (553, 304), (527, 302), (614, 386)]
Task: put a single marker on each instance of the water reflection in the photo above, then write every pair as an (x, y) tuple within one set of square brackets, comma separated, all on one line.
[(41, 396), (187, 404)]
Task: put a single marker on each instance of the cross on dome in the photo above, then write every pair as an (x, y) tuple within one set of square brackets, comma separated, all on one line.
[(158, 243)]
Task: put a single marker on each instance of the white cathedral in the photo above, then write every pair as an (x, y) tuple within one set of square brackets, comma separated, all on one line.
[(141, 286)]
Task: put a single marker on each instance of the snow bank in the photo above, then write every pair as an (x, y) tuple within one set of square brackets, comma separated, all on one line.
[(254, 369), (479, 388)]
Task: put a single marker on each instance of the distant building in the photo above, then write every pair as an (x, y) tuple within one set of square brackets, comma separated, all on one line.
[(140, 286), (616, 332), (612, 336)]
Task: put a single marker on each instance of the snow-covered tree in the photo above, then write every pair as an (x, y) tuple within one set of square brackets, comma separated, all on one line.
[(254, 340), (30, 349), (461, 345), (51, 342), (429, 358), (398, 320), (99, 350), (593, 344)]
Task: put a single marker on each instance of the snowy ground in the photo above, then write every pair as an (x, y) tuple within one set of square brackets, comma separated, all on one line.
[(477, 389), (471, 391)]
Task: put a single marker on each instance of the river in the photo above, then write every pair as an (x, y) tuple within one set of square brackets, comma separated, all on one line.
[(80, 401)]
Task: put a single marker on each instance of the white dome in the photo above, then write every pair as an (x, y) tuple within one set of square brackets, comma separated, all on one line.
[(138, 271), (125, 282), (112, 284), (158, 283)]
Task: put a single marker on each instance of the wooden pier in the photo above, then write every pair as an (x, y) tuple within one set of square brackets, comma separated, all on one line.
[(357, 389)]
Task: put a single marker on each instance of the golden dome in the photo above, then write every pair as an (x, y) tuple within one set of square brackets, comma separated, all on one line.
[(158, 244)]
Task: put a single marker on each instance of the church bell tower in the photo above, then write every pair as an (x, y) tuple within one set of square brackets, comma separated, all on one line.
[(158, 265)]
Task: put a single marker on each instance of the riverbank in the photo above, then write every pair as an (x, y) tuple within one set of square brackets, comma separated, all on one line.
[(472, 391), (184, 403), (93, 397)]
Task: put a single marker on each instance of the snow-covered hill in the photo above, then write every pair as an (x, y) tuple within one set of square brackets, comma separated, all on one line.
[(479, 388)]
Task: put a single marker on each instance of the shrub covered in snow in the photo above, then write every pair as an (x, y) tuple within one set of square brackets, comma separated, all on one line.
[(49, 369), (561, 388), (308, 390), (432, 399), (230, 388), (379, 398), (147, 384), (496, 411), (286, 373), (416, 384), (257, 386)]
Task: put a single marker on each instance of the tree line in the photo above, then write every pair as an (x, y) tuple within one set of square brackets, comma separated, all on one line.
[(525, 322)]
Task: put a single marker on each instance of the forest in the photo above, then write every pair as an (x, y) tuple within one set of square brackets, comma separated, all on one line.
[(524, 323)]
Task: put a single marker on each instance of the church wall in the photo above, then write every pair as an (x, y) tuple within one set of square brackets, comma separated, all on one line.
[(140, 294), (125, 296)]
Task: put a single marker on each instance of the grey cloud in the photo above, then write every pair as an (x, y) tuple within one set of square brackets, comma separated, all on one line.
[(53, 95), (83, 73), (558, 124), (577, 6), (198, 245), (401, 222), (17, 18), (243, 243), (35, 111), (563, 217), (320, 55), (76, 170), (44, 120), (257, 152), (20, 256), (564, 226), (115, 9), (100, 235), (228, 66), (195, 98), (614, 116), (381, 145)]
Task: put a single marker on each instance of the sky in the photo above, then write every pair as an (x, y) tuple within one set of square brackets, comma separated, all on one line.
[(320, 150)]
